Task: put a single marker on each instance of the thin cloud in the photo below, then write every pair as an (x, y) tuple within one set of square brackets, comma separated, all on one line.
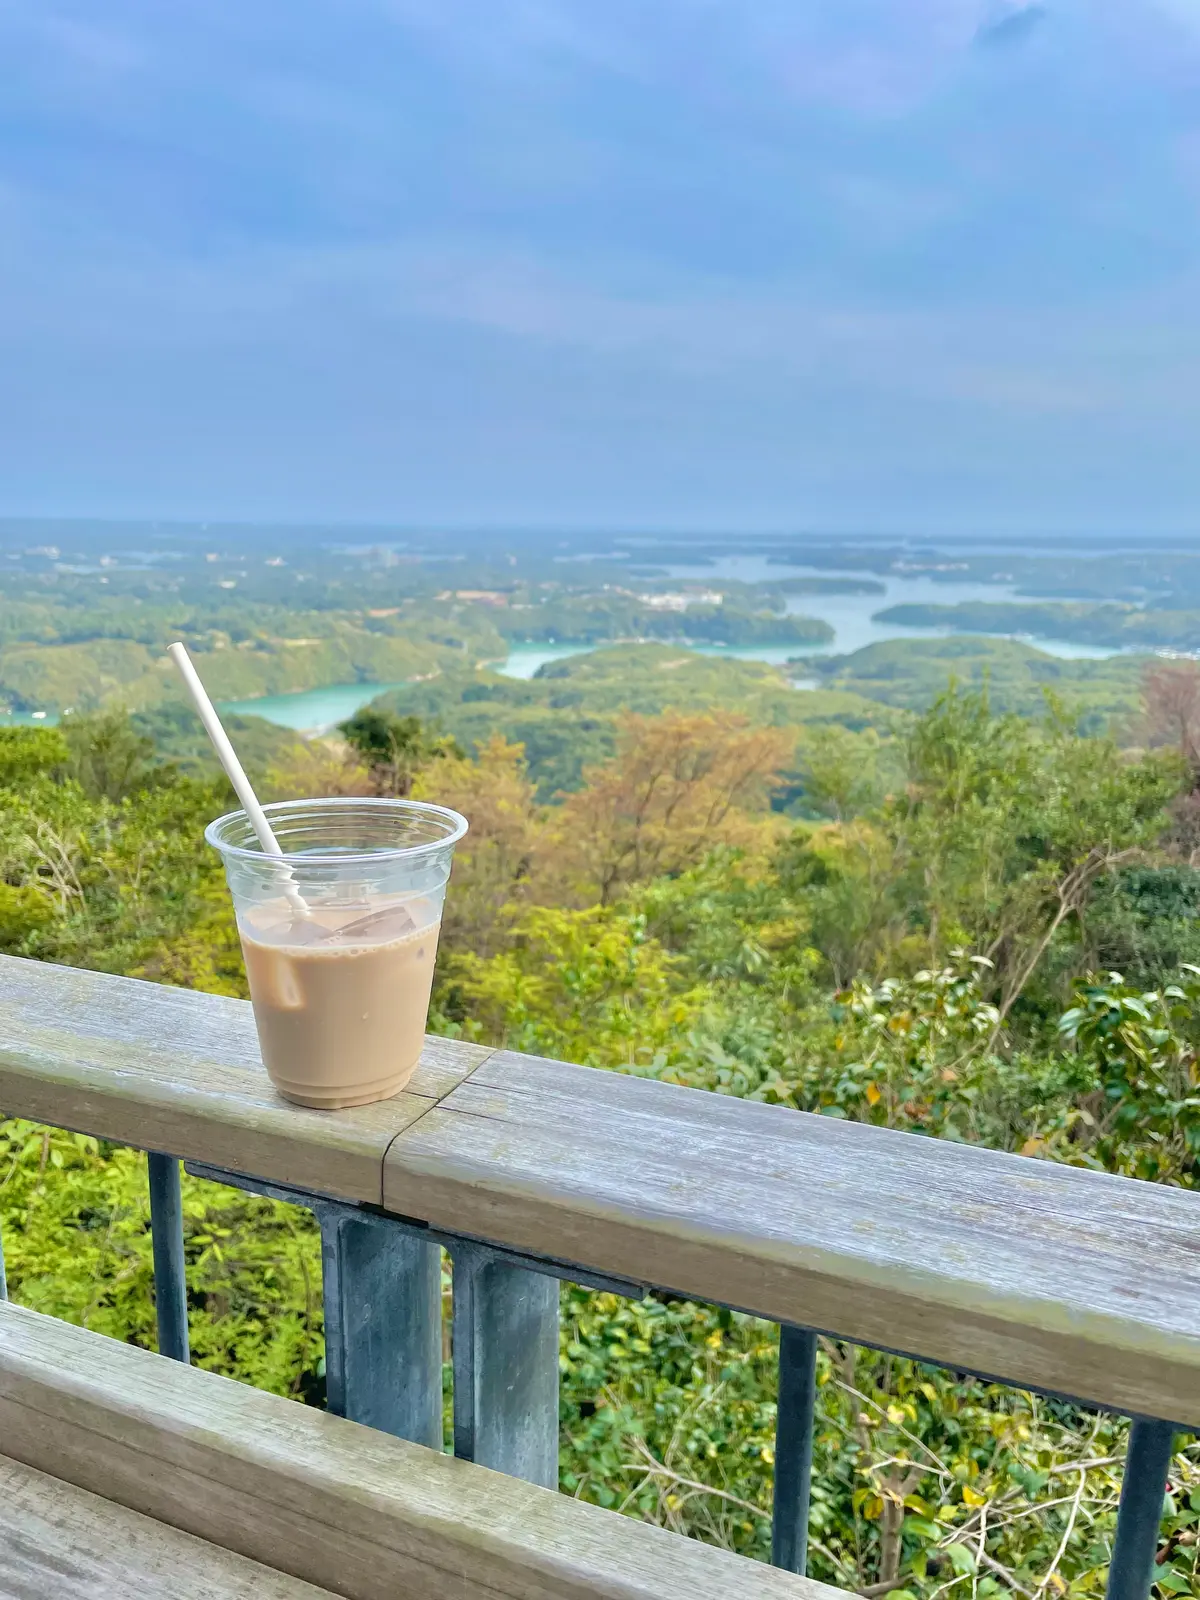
[(1012, 27)]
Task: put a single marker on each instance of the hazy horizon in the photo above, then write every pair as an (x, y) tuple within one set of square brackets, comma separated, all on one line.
[(429, 541), (17, 534)]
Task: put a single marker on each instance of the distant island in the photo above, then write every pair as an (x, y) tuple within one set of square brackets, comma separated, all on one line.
[(911, 673), (1107, 625)]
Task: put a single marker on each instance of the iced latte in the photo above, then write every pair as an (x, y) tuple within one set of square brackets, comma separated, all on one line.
[(339, 937)]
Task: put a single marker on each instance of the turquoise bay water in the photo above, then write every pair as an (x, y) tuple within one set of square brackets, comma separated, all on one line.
[(524, 659), (310, 710), (28, 719)]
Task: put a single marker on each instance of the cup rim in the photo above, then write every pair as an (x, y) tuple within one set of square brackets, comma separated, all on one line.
[(381, 803)]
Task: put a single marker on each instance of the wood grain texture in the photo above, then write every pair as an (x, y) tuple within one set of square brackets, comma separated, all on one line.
[(58, 1542), (361, 1513), (1043, 1275), (173, 1070)]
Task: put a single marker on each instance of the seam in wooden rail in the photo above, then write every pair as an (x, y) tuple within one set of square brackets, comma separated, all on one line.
[(434, 1103)]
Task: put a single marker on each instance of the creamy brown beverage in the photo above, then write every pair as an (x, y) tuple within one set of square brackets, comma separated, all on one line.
[(341, 995), (339, 910)]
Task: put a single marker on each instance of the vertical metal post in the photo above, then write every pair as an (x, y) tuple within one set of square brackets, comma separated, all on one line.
[(505, 1366), (794, 1447), (166, 1230), (3, 1279), (1139, 1519), (383, 1324)]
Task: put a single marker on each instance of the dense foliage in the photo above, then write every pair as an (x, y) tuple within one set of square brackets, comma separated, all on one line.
[(916, 929)]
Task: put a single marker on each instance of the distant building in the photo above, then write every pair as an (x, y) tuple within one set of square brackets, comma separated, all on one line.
[(681, 601)]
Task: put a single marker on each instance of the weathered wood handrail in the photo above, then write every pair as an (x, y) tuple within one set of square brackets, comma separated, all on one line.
[(170, 1069), (1048, 1277)]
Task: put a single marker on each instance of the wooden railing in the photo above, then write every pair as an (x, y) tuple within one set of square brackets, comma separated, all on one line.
[(528, 1171)]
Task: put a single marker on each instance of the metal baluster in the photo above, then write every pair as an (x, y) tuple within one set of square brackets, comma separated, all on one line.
[(505, 1366), (383, 1324), (166, 1230), (3, 1279), (794, 1447), (1139, 1520)]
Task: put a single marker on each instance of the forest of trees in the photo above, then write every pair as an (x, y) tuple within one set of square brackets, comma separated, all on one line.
[(984, 928)]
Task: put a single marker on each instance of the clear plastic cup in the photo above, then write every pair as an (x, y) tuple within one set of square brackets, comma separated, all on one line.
[(339, 937)]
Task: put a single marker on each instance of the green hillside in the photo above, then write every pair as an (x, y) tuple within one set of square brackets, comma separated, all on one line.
[(179, 737), (912, 673), (566, 716), (259, 650), (1110, 626), (748, 616)]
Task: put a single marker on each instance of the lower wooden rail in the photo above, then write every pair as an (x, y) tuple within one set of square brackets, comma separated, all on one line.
[(58, 1542), (347, 1508)]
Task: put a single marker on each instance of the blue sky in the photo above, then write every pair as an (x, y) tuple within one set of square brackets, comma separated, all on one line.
[(897, 265)]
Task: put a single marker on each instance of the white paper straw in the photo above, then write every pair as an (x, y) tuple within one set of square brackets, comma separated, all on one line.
[(234, 770)]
